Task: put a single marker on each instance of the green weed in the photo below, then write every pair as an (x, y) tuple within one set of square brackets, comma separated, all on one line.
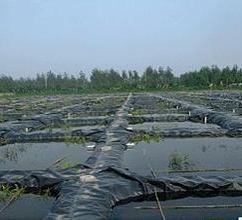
[(179, 161), (145, 137), (67, 165), (75, 139), (137, 112), (6, 192)]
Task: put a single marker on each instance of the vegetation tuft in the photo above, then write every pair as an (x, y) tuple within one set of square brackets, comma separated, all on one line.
[(179, 161), (67, 165), (146, 137), (137, 112), (7, 192), (3, 141), (75, 139)]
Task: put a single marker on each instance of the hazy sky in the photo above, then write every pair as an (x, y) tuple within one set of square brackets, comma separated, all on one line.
[(73, 35)]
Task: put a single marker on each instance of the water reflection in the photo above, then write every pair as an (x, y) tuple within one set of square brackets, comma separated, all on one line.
[(223, 146), (205, 148), (28, 206), (186, 153), (35, 156), (139, 210), (12, 153)]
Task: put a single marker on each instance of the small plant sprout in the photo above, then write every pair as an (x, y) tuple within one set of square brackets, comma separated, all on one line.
[(7, 192), (4, 193), (45, 194), (179, 161)]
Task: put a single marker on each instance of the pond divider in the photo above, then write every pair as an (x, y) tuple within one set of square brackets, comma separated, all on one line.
[(91, 190), (232, 124)]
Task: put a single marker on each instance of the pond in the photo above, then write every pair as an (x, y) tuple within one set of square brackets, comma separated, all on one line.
[(193, 153), (27, 207), (36, 156), (173, 211)]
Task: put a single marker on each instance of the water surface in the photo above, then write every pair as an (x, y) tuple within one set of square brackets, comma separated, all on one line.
[(130, 211), (27, 207), (203, 153), (35, 156)]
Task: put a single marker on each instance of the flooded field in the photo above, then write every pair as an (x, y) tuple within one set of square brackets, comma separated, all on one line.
[(39, 156), (185, 153), (61, 156), (29, 207), (200, 209)]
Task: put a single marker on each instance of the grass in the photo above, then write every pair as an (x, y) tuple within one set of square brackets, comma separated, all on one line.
[(45, 194), (145, 137), (179, 161), (162, 105), (67, 165), (68, 139), (50, 127), (137, 112), (6, 192)]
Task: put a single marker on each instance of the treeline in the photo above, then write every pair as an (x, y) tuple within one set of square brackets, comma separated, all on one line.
[(111, 80), (212, 77)]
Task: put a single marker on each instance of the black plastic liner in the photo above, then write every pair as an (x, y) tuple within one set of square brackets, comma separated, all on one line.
[(55, 117), (91, 190), (177, 129), (158, 118), (94, 135), (232, 123), (79, 190)]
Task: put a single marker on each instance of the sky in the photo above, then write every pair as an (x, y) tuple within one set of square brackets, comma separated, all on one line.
[(69, 36)]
